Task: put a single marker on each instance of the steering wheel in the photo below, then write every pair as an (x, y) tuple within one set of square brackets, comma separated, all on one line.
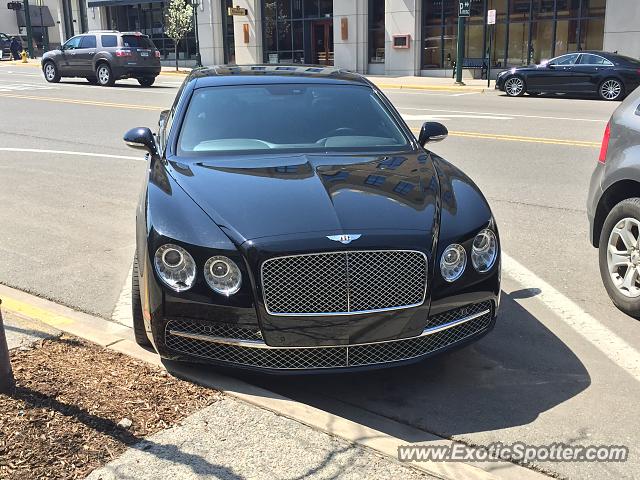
[(341, 131)]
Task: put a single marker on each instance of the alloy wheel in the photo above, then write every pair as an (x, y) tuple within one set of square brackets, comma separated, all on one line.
[(104, 75), (49, 72), (514, 86), (623, 257), (610, 89)]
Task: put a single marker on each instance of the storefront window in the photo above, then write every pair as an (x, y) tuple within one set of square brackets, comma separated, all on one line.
[(298, 31), (526, 31), (376, 31)]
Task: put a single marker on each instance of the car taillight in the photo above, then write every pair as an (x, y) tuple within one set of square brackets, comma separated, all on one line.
[(605, 144), (157, 53), (123, 53)]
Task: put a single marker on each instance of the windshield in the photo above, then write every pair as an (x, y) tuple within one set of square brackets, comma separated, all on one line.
[(287, 117), (136, 41)]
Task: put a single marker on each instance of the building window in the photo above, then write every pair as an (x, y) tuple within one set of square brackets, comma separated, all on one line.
[(391, 163), (374, 180), (298, 31), (228, 34), (376, 31), (526, 31), (403, 188)]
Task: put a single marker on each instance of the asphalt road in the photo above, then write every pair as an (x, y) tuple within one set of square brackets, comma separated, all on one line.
[(558, 366)]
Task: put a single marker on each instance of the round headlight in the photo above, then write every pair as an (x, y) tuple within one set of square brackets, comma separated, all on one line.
[(175, 267), (453, 262), (222, 275), (485, 251)]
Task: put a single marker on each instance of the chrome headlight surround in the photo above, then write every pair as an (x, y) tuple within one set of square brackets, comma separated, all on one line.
[(484, 251), (223, 275), (453, 262), (175, 267)]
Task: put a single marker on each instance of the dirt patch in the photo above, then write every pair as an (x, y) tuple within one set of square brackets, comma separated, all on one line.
[(73, 405)]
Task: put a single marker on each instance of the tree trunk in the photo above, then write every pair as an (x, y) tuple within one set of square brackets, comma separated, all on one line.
[(7, 382), (176, 45)]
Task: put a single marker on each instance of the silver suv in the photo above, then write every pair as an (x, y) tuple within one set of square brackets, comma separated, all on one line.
[(102, 57), (613, 206)]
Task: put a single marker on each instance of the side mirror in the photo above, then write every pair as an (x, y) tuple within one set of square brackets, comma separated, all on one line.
[(141, 138), (551, 66), (432, 132)]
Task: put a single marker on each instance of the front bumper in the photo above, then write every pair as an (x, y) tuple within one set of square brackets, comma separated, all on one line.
[(206, 342)]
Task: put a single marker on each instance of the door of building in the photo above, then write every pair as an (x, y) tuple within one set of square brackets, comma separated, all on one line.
[(322, 42)]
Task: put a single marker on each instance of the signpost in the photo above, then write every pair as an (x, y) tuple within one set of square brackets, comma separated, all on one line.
[(237, 11), (27, 20), (464, 10), (491, 21)]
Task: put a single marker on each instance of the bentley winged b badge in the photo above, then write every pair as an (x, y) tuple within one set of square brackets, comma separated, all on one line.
[(344, 238)]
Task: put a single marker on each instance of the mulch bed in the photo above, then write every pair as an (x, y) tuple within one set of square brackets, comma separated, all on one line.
[(62, 420)]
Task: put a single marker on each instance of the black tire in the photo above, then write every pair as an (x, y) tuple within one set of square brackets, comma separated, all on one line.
[(51, 73), (515, 92), (92, 80), (629, 208), (139, 329), (146, 81), (105, 75), (611, 89)]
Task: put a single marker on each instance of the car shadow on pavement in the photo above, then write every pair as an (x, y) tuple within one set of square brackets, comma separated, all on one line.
[(506, 379)]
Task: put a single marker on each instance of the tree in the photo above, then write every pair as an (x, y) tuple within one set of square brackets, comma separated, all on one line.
[(178, 22)]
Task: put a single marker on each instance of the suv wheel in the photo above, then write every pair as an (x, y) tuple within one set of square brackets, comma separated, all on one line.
[(620, 256), (104, 75), (51, 73), (146, 81)]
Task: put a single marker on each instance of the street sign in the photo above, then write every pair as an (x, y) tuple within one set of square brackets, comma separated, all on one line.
[(464, 8), (491, 17), (14, 6), (237, 11)]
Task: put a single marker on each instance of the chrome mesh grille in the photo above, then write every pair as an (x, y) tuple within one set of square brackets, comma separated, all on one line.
[(214, 329), (332, 357), (451, 315), (344, 282)]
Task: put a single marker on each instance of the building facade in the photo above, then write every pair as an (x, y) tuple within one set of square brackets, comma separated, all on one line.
[(383, 37)]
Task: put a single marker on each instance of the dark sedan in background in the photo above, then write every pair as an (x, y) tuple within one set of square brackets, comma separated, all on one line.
[(614, 206), (608, 75), (291, 221)]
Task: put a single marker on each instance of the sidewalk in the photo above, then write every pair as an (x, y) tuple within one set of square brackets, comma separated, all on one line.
[(230, 439), (403, 82)]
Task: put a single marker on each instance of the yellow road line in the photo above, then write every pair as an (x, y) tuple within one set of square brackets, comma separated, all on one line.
[(518, 138), (37, 313), (84, 102)]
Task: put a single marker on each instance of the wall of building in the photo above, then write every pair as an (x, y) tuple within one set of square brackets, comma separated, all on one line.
[(402, 17), (622, 27), (350, 52), (210, 30)]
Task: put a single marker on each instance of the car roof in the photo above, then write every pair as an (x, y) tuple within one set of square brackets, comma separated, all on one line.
[(225, 75)]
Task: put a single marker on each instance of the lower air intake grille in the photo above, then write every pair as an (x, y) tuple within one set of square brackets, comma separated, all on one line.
[(260, 355)]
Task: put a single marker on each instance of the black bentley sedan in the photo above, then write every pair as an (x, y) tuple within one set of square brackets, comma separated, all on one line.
[(608, 75), (291, 221)]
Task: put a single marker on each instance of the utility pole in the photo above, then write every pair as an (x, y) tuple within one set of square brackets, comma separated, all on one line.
[(27, 20), (464, 10), (195, 4)]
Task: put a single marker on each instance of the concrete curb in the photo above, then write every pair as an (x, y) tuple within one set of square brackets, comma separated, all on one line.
[(119, 338)]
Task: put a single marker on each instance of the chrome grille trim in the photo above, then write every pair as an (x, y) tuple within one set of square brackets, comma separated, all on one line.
[(347, 287), (257, 354)]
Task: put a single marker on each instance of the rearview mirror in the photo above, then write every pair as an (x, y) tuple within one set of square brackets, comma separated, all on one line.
[(432, 132), (141, 138)]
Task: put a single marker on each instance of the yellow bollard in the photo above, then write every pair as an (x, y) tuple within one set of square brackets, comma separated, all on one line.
[(23, 54)]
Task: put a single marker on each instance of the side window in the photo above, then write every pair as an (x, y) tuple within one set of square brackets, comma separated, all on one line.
[(88, 41), (109, 41), (565, 59), (72, 43)]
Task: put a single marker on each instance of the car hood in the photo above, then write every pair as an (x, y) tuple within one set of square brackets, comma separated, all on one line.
[(251, 197)]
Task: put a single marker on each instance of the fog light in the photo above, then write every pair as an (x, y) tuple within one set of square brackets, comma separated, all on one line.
[(175, 267), (485, 251), (453, 262), (222, 275)]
